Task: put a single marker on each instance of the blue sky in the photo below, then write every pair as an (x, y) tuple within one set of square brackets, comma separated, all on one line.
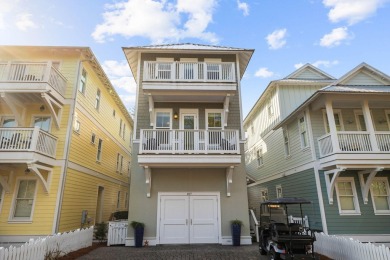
[(334, 35)]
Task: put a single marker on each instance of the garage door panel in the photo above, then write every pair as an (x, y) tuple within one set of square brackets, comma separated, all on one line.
[(174, 220)]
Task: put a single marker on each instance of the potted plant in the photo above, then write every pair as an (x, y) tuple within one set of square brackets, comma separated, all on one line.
[(138, 232), (236, 231)]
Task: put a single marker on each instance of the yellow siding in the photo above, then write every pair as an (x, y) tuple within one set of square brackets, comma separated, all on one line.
[(81, 194)]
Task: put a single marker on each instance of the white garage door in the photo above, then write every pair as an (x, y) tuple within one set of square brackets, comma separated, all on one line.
[(188, 219)]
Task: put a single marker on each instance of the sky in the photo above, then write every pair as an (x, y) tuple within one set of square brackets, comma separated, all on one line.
[(333, 35)]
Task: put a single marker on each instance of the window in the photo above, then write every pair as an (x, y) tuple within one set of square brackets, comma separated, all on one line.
[(97, 101), (117, 162), (118, 200), (99, 150), (121, 164), (8, 122), (113, 113), (93, 138), (303, 132), (24, 201), (126, 200), (83, 81), (279, 191), (120, 127), (380, 195), (270, 108), (264, 195), (77, 126), (286, 142), (260, 157), (124, 131), (43, 123), (163, 119), (347, 198), (214, 119), (337, 120)]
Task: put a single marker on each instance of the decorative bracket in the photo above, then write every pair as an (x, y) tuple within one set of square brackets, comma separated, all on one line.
[(148, 180), (49, 102), (226, 109), (229, 179), (365, 185), (4, 183), (15, 106), (45, 183), (331, 181)]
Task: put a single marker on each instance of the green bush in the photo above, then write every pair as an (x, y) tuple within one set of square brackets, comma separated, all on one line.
[(121, 214), (101, 231)]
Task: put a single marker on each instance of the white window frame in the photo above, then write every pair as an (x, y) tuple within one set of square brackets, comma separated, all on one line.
[(162, 110), (358, 113), (99, 150), (260, 157), (120, 127), (381, 212), (93, 138), (279, 191), (8, 117), (270, 108), (41, 116), (262, 190), (13, 206), (209, 111), (286, 143), (77, 126), (355, 197), (302, 134), (98, 99), (326, 123), (117, 162), (83, 81), (118, 200)]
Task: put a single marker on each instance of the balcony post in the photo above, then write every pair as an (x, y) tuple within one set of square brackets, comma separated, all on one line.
[(34, 138), (204, 71), (332, 126), (370, 126), (47, 72), (6, 75)]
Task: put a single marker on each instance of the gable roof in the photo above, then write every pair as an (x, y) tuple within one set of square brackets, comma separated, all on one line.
[(309, 71), (131, 53)]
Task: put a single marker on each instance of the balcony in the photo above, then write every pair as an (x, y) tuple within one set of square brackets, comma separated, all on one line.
[(15, 75), (26, 144), (355, 147), (189, 71)]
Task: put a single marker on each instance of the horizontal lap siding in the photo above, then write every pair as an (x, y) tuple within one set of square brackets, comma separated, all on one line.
[(366, 223), (300, 184), (81, 194), (43, 212)]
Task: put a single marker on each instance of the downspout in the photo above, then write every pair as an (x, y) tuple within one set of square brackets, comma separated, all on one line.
[(67, 149)]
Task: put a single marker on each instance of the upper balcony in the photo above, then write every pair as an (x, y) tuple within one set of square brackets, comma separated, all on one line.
[(32, 77), (189, 81)]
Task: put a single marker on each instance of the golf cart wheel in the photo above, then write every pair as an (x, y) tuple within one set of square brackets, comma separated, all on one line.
[(273, 255), (262, 251)]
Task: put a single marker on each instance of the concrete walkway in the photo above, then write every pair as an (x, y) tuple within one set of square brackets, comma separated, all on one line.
[(177, 252)]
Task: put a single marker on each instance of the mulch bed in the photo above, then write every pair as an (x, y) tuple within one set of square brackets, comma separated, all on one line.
[(83, 251)]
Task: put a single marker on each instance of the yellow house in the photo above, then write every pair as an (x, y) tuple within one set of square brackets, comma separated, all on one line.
[(65, 142)]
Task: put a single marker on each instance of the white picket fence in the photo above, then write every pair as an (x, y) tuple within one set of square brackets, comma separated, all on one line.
[(337, 247), (117, 232), (37, 249)]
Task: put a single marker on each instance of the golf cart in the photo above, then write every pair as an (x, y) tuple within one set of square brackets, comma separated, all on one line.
[(280, 238)]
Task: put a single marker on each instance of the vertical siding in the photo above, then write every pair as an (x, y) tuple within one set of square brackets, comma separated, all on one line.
[(362, 78)]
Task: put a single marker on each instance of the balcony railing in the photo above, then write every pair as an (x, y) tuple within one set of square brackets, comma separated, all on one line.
[(189, 71), (354, 141), (33, 72), (17, 139), (189, 141)]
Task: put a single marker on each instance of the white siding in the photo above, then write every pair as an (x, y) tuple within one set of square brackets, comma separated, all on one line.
[(310, 74), (362, 79)]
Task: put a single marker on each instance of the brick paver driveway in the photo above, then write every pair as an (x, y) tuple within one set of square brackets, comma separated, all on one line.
[(176, 252)]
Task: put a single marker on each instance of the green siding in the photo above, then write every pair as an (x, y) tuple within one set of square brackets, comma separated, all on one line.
[(291, 186), (366, 223)]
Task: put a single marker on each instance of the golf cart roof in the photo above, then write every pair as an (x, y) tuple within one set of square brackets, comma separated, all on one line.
[(286, 201)]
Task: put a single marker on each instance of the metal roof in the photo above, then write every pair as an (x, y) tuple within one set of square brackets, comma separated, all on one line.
[(357, 88), (291, 200), (187, 46)]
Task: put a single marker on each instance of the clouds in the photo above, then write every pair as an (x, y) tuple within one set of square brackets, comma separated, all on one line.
[(25, 22), (160, 21), (276, 39), (120, 76), (319, 63), (352, 11), (264, 73), (335, 37), (244, 7)]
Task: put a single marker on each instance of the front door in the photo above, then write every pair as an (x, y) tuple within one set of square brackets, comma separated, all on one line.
[(189, 127), (188, 219)]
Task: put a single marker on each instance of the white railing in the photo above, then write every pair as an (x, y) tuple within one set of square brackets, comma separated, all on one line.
[(254, 223), (189, 141), (325, 145), (40, 248), (352, 141), (337, 247), (303, 222), (383, 140), (27, 139), (33, 72), (189, 71), (117, 232)]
